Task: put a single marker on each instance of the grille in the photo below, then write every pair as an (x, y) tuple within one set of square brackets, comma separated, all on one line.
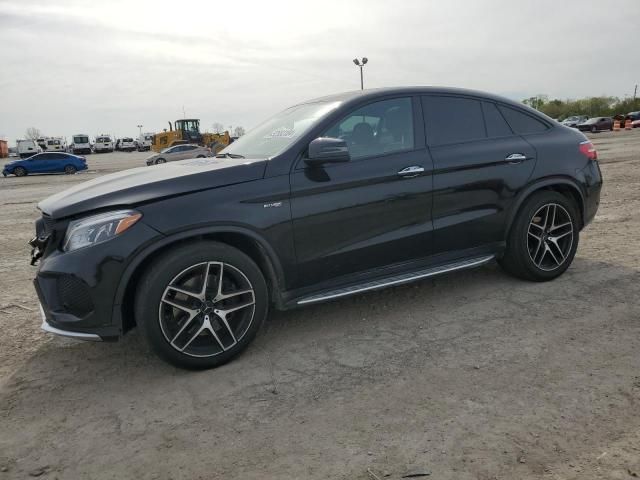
[(74, 295)]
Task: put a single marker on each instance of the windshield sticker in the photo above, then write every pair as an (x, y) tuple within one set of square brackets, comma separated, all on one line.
[(281, 132)]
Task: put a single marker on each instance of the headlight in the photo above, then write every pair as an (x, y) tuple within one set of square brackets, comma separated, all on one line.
[(98, 228)]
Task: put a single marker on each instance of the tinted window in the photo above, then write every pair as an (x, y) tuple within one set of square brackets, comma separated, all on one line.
[(521, 123), (377, 128), (190, 147), (453, 120), (496, 124)]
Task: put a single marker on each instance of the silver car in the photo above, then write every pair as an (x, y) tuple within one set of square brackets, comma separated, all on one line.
[(179, 152)]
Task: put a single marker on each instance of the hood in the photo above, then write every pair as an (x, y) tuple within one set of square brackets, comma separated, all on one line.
[(139, 185)]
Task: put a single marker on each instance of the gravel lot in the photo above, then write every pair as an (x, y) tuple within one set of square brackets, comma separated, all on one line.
[(474, 375)]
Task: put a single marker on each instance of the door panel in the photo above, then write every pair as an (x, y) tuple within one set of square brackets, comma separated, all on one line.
[(361, 214), (473, 187), (473, 181)]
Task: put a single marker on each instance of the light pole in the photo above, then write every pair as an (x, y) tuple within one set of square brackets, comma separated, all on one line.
[(361, 64), (140, 127)]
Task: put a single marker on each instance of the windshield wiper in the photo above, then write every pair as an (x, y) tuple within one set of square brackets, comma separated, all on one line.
[(228, 155)]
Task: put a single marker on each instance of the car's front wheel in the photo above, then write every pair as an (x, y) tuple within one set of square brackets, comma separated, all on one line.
[(200, 305), (20, 171), (543, 239), (160, 161)]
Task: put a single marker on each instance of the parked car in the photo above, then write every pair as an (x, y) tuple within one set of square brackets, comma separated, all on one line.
[(126, 144), (635, 119), (47, 162), (103, 144), (179, 152), (329, 198), (596, 124), (27, 148), (574, 120), (145, 141), (81, 144)]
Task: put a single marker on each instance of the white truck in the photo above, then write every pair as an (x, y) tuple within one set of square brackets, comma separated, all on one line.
[(81, 144), (104, 143), (144, 142), (27, 148), (55, 144)]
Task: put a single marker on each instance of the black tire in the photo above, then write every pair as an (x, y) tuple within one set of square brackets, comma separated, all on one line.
[(201, 156), (160, 161), (20, 172), (154, 285), (70, 170), (517, 259)]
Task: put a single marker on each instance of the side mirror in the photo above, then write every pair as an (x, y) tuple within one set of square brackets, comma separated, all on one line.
[(327, 150)]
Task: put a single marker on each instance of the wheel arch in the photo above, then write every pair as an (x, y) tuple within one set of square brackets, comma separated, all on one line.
[(245, 240), (563, 185)]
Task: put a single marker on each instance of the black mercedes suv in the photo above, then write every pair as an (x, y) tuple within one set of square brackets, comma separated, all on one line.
[(329, 198)]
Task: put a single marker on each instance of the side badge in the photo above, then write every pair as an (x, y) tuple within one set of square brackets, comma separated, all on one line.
[(272, 205)]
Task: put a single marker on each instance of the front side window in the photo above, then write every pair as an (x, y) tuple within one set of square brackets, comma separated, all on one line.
[(376, 129)]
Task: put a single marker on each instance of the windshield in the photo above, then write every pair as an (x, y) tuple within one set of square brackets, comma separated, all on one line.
[(572, 119), (81, 139), (279, 132), (166, 150), (103, 139)]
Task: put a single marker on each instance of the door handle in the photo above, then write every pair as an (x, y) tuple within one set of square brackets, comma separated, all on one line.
[(515, 158), (411, 172)]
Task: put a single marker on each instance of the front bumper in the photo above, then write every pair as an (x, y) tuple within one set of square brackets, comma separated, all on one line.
[(77, 290), (66, 333)]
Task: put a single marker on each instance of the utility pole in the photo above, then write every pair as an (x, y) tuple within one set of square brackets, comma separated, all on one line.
[(140, 127), (361, 64), (635, 92)]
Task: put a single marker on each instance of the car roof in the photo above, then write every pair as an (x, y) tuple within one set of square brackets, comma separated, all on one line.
[(356, 95)]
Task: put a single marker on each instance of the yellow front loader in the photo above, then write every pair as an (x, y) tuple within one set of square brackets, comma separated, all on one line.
[(187, 130)]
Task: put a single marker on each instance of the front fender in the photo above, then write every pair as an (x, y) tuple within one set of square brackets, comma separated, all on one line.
[(150, 250)]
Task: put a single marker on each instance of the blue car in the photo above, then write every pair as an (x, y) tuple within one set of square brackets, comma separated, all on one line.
[(49, 162)]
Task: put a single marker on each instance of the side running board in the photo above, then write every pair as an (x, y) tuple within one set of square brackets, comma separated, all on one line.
[(396, 280)]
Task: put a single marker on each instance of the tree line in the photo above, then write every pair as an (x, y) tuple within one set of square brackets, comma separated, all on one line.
[(591, 106)]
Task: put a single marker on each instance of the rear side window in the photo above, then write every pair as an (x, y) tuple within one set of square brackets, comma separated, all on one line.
[(496, 124), (521, 123), (453, 120)]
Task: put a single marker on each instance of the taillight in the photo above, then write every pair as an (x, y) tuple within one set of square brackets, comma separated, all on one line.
[(588, 150)]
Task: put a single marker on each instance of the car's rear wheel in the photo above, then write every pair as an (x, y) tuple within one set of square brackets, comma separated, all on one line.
[(200, 305), (20, 171), (160, 160), (543, 239), (200, 156), (70, 170)]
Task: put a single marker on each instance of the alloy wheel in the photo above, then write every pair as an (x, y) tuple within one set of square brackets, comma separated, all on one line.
[(550, 237), (206, 309)]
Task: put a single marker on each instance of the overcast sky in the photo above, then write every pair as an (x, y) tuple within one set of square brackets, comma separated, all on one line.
[(87, 66)]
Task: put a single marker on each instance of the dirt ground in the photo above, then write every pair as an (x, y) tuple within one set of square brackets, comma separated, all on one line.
[(474, 375)]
